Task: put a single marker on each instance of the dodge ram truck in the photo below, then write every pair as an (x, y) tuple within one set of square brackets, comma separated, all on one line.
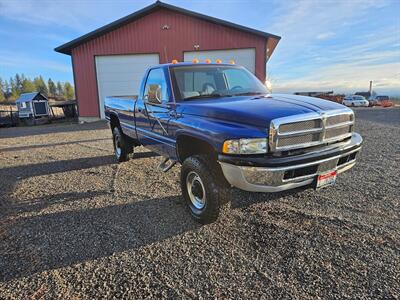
[(219, 122)]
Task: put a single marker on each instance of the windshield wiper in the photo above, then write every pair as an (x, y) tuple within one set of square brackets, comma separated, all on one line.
[(248, 94), (216, 95)]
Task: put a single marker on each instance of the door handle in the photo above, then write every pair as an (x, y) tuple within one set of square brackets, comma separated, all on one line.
[(173, 114)]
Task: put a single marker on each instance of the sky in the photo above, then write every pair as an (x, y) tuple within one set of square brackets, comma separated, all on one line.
[(326, 45)]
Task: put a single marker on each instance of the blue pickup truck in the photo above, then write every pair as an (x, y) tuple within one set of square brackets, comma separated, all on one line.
[(224, 128)]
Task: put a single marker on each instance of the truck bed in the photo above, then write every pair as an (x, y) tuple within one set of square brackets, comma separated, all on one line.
[(119, 103)]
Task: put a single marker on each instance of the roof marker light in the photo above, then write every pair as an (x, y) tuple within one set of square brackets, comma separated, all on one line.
[(174, 61), (195, 61), (232, 62), (218, 61), (208, 61)]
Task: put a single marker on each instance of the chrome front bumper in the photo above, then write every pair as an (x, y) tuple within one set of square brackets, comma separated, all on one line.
[(263, 179)]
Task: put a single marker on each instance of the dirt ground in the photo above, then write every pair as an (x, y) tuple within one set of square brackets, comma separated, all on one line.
[(76, 225)]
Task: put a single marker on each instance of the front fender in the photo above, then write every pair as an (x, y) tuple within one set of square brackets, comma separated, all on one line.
[(215, 132)]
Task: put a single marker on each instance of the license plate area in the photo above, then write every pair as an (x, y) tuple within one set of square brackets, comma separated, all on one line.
[(326, 179)]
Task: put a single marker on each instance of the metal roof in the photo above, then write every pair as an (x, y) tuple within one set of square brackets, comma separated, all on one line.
[(28, 97), (67, 47)]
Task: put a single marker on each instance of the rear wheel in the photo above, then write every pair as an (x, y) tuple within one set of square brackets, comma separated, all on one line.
[(204, 191), (122, 146)]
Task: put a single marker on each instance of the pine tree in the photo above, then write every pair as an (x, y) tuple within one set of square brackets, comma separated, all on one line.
[(52, 88), (28, 86), (13, 89), (18, 83), (69, 92), (60, 89), (2, 93), (41, 86), (6, 90)]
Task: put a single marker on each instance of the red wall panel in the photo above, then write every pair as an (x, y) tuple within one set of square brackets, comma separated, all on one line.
[(146, 35)]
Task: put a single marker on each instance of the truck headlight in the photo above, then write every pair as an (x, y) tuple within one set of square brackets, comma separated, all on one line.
[(245, 146)]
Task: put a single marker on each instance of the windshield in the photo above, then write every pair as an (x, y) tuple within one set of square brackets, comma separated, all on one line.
[(197, 82), (359, 98), (382, 98)]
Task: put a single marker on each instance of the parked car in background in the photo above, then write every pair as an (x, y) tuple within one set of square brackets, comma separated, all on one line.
[(383, 101), (373, 102), (355, 100)]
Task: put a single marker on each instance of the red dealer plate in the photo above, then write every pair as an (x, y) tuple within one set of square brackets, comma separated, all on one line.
[(326, 179)]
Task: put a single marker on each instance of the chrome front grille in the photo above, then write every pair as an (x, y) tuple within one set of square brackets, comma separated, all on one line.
[(297, 126), (339, 119), (337, 131), (300, 139), (311, 129)]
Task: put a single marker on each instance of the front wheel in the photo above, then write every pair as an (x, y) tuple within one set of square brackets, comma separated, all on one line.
[(203, 189), (122, 146)]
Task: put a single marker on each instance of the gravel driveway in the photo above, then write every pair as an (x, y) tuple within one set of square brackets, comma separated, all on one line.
[(75, 225)]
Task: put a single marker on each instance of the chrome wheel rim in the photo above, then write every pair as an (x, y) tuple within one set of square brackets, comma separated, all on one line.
[(196, 190), (117, 145)]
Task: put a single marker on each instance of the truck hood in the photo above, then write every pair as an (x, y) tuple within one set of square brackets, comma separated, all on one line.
[(256, 110)]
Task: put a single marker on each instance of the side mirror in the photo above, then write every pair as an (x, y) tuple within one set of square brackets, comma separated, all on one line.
[(154, 93)]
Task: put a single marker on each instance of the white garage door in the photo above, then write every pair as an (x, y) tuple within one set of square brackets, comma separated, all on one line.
[(243, 57), (121, 75)]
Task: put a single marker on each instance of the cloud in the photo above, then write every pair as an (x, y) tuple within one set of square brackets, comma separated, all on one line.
[(325, 35), (301, 22), (335, 45), (43, 13), (24, 35), (81, 16), (307, 18), (343, 79), (16, 60)]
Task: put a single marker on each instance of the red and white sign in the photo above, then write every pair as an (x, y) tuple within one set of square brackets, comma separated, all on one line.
[(326, 179)]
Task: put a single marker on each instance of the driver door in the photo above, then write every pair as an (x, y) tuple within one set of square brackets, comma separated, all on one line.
[(159, 111)]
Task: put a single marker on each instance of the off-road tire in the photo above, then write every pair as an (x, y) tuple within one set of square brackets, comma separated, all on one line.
[(122, 146), (217, 190)]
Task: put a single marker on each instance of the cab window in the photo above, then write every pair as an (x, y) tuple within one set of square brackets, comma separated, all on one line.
[(155, 90), (213, 81)]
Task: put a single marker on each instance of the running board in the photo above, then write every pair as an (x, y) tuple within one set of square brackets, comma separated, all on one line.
[(166, 164)]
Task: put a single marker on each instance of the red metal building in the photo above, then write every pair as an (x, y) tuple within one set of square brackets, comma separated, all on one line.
[(111, 60)]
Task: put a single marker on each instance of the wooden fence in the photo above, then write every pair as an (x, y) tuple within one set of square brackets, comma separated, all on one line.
[(8, 118)]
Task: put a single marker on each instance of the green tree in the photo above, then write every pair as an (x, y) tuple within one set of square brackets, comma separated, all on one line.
[(28, 86), (14, 93), (18, 83), (69, 92), (60, 89), (2, 90), (6, 90), (41, 86), (52, 88)]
